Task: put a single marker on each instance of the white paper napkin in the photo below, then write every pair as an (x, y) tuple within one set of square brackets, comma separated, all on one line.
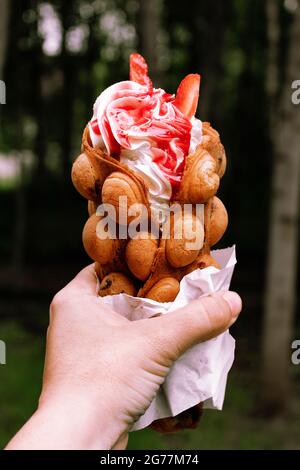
[(199, 375)]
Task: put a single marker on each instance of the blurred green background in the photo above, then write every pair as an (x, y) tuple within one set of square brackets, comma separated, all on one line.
[(55, 58)]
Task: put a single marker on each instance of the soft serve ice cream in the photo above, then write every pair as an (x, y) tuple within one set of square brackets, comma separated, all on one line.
[(145, 129)]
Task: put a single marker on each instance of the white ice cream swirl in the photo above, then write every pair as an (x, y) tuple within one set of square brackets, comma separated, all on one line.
[(147, 133)]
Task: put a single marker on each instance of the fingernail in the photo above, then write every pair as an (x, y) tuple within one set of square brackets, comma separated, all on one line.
[(234, 301)]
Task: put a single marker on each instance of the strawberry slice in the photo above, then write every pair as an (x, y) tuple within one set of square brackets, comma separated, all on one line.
[(139, 71), (187, 95)]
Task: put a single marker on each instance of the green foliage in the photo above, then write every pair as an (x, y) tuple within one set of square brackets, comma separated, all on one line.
[(20, 378)]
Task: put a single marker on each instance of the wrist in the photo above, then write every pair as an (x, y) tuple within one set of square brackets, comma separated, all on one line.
[(79, 421)]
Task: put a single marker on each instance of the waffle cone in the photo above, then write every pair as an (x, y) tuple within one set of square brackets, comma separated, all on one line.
[(200, 183)]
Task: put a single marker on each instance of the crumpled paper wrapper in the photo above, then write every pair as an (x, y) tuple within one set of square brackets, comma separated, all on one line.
[(200, 374)]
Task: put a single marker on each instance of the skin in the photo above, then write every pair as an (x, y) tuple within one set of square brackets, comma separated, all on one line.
[(102, 371)]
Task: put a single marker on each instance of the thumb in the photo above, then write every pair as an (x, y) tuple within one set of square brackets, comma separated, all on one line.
[(198, 321)]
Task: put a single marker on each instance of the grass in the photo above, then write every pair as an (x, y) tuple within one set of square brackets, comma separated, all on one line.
[(234, 428), (20, 378)]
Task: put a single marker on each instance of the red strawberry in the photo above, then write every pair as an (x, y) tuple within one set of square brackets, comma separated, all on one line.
[(139, 70), (187, 95)]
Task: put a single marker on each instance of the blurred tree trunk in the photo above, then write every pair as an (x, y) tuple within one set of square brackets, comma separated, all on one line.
[(67, 91), (148, 31), (91, 57), (41, 136), (15, 25), (18, 239), (4, 16), (38, 103), (282, 258), (272, 76), (208, 23)]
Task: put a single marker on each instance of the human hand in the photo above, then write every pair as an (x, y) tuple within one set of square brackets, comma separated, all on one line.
[(102, 371)]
